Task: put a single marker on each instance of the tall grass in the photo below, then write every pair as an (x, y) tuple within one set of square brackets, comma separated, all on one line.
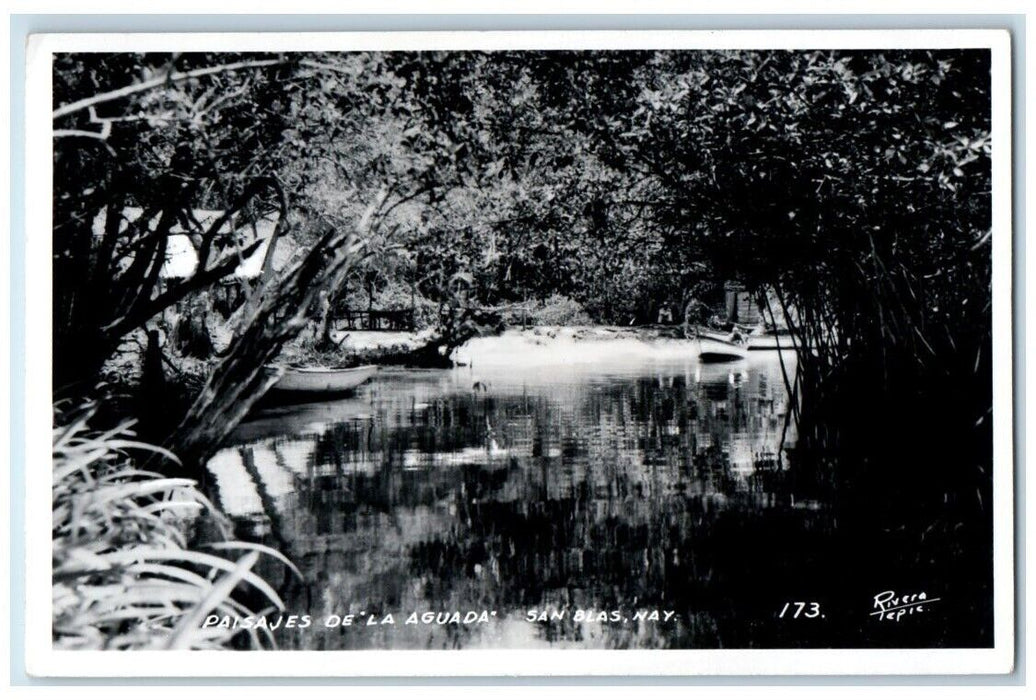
[(124, 573)]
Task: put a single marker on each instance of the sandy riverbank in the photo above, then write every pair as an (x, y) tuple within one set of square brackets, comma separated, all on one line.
[(576, 345)]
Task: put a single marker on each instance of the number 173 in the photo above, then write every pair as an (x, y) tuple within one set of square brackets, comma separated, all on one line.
[(799, 609)]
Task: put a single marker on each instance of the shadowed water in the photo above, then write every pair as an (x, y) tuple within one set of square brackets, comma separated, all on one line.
[(636, 489)]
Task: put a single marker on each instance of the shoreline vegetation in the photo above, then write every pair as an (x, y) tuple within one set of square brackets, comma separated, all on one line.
[(215, 214), (129, 569)]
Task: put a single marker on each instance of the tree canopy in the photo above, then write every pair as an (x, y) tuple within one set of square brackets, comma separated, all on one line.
[(852, 186)]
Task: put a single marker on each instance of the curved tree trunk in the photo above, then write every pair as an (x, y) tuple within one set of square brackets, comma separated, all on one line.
[(239, 380)]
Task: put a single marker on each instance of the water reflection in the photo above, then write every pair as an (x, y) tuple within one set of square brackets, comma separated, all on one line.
[(630, 487)]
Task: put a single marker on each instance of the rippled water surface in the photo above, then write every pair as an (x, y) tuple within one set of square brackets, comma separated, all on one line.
[(633, 489)]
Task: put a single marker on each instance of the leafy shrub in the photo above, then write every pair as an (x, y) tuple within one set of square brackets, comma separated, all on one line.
[(124, 576)]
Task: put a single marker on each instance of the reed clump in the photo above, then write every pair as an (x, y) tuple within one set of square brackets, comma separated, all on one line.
[(125, 573)]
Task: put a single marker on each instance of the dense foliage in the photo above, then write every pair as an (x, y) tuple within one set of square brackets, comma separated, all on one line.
[(852, 186)]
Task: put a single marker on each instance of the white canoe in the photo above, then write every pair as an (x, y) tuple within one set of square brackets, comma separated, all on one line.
[(716, 350), (322, 380), (717, 346)]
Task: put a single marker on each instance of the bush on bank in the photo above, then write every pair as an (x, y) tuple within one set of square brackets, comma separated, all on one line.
[(126, 574)]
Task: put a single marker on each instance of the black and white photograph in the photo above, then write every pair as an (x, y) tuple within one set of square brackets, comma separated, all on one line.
[(588, 343)]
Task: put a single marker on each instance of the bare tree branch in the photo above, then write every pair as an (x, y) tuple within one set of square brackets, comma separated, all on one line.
[(87, 102)]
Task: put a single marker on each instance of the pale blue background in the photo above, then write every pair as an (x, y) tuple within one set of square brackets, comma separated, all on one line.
[(23, 25)]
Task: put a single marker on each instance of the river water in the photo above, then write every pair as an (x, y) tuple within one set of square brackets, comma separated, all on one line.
[(609, 500)]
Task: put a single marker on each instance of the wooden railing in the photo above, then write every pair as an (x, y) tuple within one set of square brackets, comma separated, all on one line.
[(373, 320)]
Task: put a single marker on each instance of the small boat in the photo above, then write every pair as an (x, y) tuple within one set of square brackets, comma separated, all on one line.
[(716, 346), (714, 350), (321, 381)]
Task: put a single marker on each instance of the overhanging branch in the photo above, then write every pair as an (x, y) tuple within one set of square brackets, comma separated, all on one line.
[(103, 97)]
